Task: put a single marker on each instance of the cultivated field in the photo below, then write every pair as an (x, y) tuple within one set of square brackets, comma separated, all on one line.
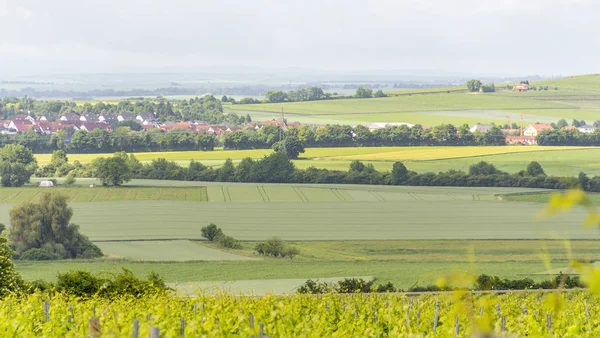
[(399, 234), (103, 194), (562, 161)]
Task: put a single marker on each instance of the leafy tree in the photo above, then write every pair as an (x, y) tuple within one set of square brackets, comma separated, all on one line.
[(291, 146), (17, 164), (473, 85), (535, 169), (488, 88), (10, 280), (380, 93), (113, 170), (576, 123), (211, 232), (399, 173), (224, 99), (46, 225), (275, 96), (561, 124), (362, 93), (483, 168)]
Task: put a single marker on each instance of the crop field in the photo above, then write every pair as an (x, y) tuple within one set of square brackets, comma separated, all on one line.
[(177, 250), (102, 194), (563, 161), (319, 213)]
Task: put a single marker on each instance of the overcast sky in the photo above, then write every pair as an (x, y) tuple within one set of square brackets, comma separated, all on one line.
[(510, 37)]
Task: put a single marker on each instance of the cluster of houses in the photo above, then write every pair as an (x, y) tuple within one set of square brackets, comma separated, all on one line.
[(147, 121), (527, 136)]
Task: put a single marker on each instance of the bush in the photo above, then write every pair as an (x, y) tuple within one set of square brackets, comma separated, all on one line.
[(38, 254), (354, 285), (229, 242), (79, 283), (389, 287), (70, 179), (84, 284), (211, 232), (314, 287), (276, 247)]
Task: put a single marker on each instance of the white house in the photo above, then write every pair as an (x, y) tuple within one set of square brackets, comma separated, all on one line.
[(482, 128), (535, 129), (586, 129)]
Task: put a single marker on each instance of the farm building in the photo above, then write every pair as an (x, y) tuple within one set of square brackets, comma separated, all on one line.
[(586, 129), (482, 128), (382, 125), (524, 140), (535, 129), (521, 87)]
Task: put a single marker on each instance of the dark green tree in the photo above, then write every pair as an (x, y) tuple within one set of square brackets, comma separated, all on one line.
[(399, 173), (535, 169), (363, 93), (379, 93), (211, 232), (276, 96), (473, 85), (46, 225), (291, 146), (112, 170), (17, 164)]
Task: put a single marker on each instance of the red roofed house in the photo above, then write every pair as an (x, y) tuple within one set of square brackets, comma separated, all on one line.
[(524, 140), (19, 126), (535, 129)]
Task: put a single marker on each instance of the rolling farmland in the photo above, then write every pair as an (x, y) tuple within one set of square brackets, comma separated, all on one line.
[(577, 97)]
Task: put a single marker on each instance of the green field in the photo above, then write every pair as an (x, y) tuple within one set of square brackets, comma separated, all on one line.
[(176, 250), (401, 262), (103, 194), (560, 161), (576, 98), (406, 235)]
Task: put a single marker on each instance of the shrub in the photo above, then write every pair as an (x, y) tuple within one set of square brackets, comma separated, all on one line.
[(389, 287), (79, 283), (229, 242), (211, 232), (354, 285), (314, 287), (38, 254), (275, 247), (84, 284), (70, 179)]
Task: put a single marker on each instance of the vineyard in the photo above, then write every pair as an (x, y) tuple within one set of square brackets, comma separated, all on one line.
[(454, 315)]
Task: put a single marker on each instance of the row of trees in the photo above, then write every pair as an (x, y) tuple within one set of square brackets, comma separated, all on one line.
[(314, 94), (361, 136), (477, 86), (568, 137)]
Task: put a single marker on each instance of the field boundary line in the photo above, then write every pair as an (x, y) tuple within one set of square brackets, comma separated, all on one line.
[(300, 194), (377, 197)]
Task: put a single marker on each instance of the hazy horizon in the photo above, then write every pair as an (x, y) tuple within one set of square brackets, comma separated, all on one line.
[(506, 38)]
